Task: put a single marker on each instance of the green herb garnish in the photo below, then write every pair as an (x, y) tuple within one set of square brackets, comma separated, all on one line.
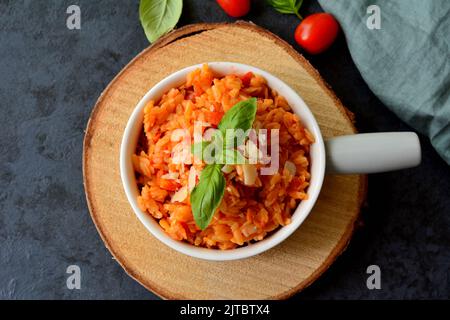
[(159, 16), (208, 193), (287, 6), (240, 116)]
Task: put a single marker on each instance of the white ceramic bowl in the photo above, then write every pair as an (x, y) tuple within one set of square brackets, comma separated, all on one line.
[(317, 154)]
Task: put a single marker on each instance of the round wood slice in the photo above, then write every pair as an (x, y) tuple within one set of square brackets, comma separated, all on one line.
[(275, 274)]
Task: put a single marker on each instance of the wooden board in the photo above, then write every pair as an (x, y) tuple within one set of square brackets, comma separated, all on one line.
[(275, 274)]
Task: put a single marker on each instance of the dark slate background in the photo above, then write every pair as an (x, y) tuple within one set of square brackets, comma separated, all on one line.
[(50, 78)]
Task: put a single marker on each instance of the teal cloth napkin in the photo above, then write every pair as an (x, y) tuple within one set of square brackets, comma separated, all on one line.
[(406, 62)]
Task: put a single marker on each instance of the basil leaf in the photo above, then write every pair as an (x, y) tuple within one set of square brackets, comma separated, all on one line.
[(224, 156), (207, 195), (198, 149), (236, 122), (286, 6), (159, 16), (240, 116), (232, 156), (235, 138)]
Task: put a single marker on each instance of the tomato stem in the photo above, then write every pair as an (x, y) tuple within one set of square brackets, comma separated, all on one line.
[(298, 15)]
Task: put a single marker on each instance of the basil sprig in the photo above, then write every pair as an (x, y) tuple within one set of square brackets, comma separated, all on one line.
[(220, 150), (240, 116), (287, 6), (159, 16), (208, 193)]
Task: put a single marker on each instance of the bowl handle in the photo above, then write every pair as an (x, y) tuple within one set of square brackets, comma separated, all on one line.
[(372, 152)]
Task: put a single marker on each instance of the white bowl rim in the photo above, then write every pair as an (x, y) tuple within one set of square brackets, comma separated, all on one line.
[(127, 174)]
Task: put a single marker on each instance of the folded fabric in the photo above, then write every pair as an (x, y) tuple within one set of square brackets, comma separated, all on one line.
[(406, 62)]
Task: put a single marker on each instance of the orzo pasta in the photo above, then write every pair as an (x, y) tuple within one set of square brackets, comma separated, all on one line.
[(248, 211)]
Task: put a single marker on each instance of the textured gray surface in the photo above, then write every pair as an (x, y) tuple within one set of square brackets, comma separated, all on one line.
[(50, 78)]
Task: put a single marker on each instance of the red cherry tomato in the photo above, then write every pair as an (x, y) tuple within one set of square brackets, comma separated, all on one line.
[(317, 32), (235, 8)]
